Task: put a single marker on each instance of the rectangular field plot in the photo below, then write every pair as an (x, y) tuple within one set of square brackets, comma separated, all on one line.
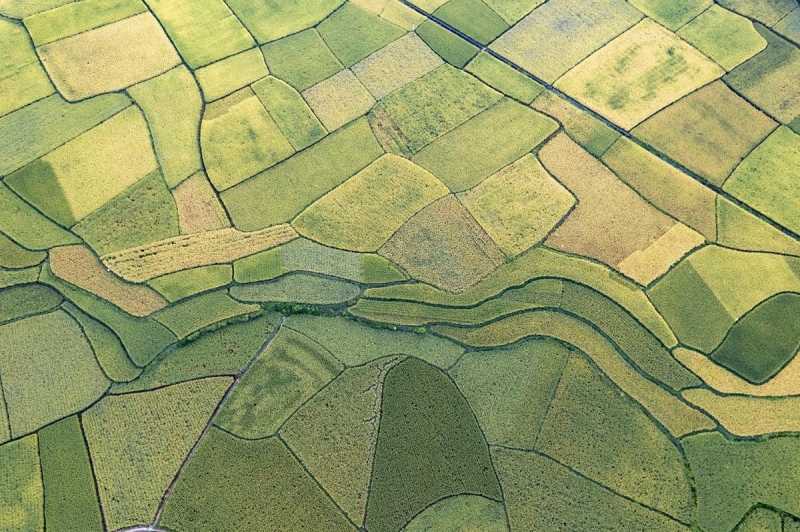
[(493, 139), (353, 33), (316, 63), (77, 17), (473, 18), (198, 206), (504, 78), (670, 14), (637, 74), (22, 78), (231, 74), (338, 100), (273, 20), (290, 112)]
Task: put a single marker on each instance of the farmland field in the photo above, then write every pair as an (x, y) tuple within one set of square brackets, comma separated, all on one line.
[(399, 266)]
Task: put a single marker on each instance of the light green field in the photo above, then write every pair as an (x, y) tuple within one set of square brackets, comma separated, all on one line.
[(672, 15), (301, 72), (503, 78), (269, 21), (353, 33), (78, 17), (22, 78), (231, 74), (290, 112), (472, 17)]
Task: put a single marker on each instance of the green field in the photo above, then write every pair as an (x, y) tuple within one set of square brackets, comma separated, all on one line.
[(399, 265)]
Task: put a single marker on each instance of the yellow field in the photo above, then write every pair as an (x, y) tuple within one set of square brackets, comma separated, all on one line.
[(641, 71), (198, 207), (363, 212), (519, 205), (644, 266), (79, 266), (190, 251), (338, 100), (231, 74), (109, 58), (749, 416)]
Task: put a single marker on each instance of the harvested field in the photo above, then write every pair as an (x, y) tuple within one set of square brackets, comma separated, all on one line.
[(638, 73), (199, 209), (519, 205), (109, 58), (387, 192), (190, 251), (443, 245), (77, 265)]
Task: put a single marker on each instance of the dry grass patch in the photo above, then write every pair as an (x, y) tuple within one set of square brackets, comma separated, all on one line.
[(395, 65), (338, 100), (363, 212), (638, 73), (443, 245), (190, 251), (109, 58), (749, 416), (646, 265), (611, 221), (199, 208), (709, 132), (77, 265), (519, 205)]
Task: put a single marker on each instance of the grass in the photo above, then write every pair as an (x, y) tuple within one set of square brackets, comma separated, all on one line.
[(590, 425), (352, 33), (435, 104), (172, 106), (556, 36), (753, 472), (716, 25), (39, 387), (444, 246), (483, 145), (78, 266), (71, 182), (672, 15), (185, 283), (592, 134), (748, 417), (388, 192), (290, 112), (767, 80), (70, 494), (255, 485), (338, 449), (108, 350), (138, 441), (71, 19), (762, 341), (144, 213), (519, 205), (503, 78), (395, 65), (23, 80), (692, 310), (204, 31), (739, 229), (611, 221), (356, 344), (316, 63), (764, 180), (429, 447), (269, 21), (240, 139), (461, 512), (510, 390), (539, 492), (231, 74), (29, 227), (339, 99), (665, 187), (14, 257), (642, 71), (320, 168), (446, 44), (191, 315), (225, 351), (298, 288), (21, 301), (109, 58), (40, 127), (143, 338), (473, 18), (677, 417), (21, 491), (291, 370), (199, 208)]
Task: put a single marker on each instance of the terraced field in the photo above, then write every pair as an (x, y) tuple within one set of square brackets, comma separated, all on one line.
[(399, 265)]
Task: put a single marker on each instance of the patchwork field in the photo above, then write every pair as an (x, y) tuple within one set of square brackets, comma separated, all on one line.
[(399, 265)]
